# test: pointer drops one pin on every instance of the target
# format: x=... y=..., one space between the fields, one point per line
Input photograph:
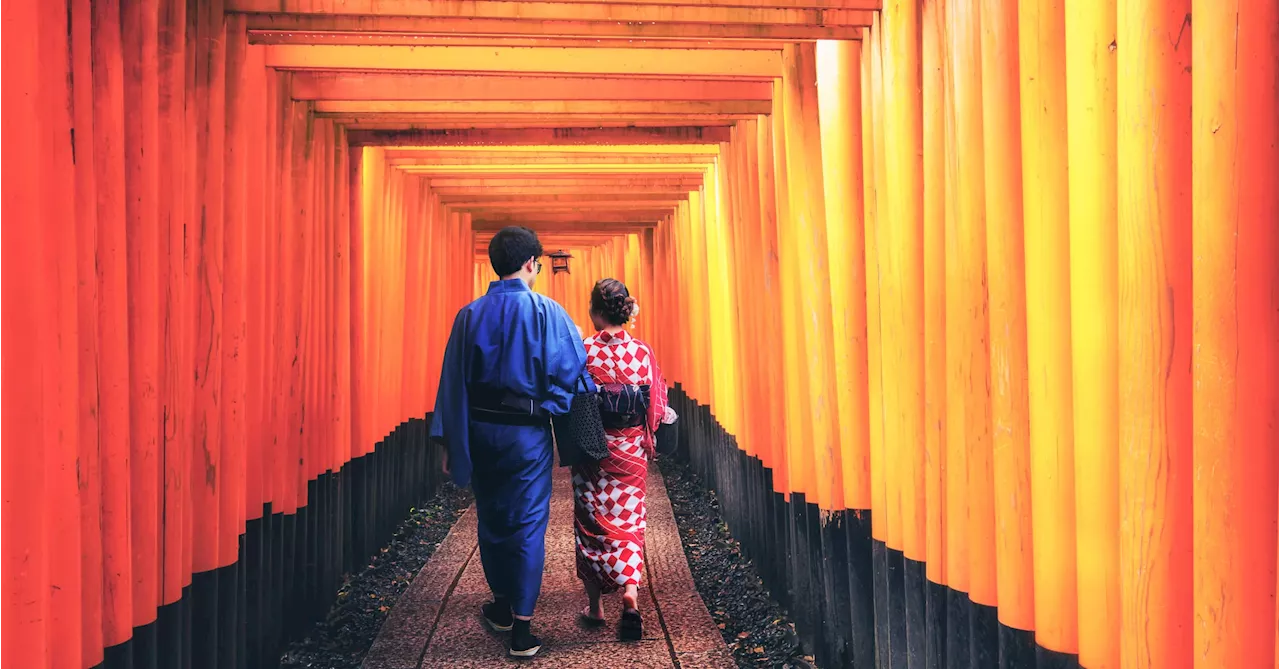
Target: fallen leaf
x=743 y=635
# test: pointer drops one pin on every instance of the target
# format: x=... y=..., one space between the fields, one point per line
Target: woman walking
x=609 y=496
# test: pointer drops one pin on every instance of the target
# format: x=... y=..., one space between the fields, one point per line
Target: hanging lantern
x=560 y=262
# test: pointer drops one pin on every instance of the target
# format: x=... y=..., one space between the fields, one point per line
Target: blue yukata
x=511 y=343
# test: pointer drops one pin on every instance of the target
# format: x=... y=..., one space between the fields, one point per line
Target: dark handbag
x=667 y=439
x=580 y=434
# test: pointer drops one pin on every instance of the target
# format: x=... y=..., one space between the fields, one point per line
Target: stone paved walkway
x=436 y=622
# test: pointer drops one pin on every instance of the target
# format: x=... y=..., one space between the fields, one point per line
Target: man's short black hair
x=512 y=247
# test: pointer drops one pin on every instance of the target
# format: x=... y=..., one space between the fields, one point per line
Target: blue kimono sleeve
x=449 y=422
x=565 y=359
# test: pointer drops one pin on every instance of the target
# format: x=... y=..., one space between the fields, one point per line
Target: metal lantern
x=560 y=262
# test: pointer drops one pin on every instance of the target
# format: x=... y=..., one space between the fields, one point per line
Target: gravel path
x=342 y=639
x=756 y=628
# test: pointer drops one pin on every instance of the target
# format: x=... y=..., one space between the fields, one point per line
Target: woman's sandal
x=589 y=620
x=631 y=626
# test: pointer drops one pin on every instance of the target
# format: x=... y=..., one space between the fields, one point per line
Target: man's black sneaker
x=523 y=642
x=498 y=616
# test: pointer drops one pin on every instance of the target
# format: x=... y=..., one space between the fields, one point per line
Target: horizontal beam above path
x=584 y=199
x=485 y=209
x=534 y=170
x=579 y=220
x=786 y=12
x=400 y=87
x=552 y=240
x=556 y=181
x=561 y=185
x=585 y=60
x=516 y=136
x=723 y=33
x=483 y=122
x=462 y=194
x=557 y=160
x=542 y=108
x=263 y=37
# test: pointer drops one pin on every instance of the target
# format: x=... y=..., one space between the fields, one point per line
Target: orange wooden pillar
x=42 y=580
x=1042 y=61
x=934 y=177
x=257 y=335
x=113 y=377
x=808 y=226
x=1008 y=312
x=233 y=267
x=60 y=382
x=359 y=301
x=873 y=168
x=774 y=379
x=1091 y=166
x=86 y=229
x=971 y=535
x=798 y=428
x=1153 y=144
x=1234 y=218
x=901 y=252
x=141 y=143
x=839 y=69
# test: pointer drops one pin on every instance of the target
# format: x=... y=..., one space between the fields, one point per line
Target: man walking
x=512 y=361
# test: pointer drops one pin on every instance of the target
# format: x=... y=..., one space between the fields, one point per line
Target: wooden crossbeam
x=482 y=123
x=482 y=198
x=784 y=12
x=528 y=191
x=556 y=208
x=563 y=184
x=497 y=220
x=528 y=150
x=723 y=33
x=400 y=87
x=592 y=223
x=541 y=108
x=534 y=170
x=553 y=160
x=583 y=60
x=264 y=37
x=504 y=136
x=555 y=240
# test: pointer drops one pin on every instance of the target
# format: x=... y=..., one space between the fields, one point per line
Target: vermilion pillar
x=1008 y=312
x=1234 y=234
x=1153 y=141
x=1042 y=63
x=1090 y=29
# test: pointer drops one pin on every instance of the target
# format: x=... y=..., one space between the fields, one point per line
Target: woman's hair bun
x=612 y=301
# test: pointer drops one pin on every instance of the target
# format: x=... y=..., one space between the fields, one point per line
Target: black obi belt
x=623 y=406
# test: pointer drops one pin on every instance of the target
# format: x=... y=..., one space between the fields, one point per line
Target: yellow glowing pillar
x=1235 y=331
x=797 y=449
x=1042 y=59
x=1091 y=167
x=935 y=152
x=840 y=101
x=873 y=166
x=1008 y=313
x=1153 y=142
x=970 y=507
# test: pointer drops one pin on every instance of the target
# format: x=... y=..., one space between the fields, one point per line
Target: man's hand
x=445 y=464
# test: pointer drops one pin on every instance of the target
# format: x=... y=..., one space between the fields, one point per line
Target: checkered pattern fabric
x=609 y=508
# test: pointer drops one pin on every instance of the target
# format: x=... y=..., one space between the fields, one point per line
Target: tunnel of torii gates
x=972 y=305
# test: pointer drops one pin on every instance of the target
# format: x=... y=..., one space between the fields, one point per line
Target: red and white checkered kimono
x=609 y=508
